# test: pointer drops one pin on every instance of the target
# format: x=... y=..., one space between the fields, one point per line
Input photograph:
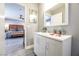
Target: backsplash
x=62 y=28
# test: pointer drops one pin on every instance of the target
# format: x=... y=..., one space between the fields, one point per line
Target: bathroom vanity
x=46 y=44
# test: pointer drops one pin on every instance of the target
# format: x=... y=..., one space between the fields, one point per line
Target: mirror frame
x=66 y=14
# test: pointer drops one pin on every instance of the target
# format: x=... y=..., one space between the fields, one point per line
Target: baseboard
x=29 y=47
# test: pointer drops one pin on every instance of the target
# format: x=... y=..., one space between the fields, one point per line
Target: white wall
x=2 y=29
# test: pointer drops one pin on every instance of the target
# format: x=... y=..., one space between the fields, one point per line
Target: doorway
x=14 y=27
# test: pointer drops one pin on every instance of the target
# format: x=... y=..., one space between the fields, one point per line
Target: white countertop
x=59 y=38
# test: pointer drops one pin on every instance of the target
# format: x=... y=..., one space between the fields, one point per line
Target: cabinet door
x=39 y=45
x=36 y=44
x=53 y=48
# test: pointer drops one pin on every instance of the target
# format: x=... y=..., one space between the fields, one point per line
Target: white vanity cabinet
x=47 y=45
x=39 y=45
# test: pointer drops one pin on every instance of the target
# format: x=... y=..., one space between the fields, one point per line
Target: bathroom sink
x=55 y=34
x=51 y=33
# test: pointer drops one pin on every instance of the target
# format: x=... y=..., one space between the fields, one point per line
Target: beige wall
x=2 y=29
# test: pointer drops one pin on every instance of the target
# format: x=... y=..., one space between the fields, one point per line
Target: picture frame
x=32 y=16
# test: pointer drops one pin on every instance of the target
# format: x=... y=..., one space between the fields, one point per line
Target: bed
x=15 y=31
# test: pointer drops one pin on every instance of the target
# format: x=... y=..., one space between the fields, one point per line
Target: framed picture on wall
x=32 y=16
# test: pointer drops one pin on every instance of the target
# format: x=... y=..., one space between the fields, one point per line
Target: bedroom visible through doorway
x=14 y=28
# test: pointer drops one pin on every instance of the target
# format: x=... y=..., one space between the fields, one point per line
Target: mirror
x=56 y=15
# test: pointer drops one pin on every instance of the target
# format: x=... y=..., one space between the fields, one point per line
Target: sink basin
x=51 y=33
x=55 y=34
